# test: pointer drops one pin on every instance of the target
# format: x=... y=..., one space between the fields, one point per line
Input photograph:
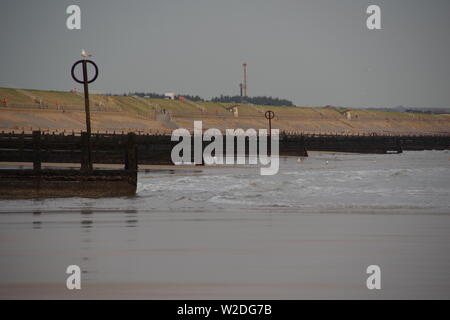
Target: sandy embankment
x=64 y=111
x=72 y=120
x=53 y=120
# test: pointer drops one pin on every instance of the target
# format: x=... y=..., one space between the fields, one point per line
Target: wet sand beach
x=308 y=232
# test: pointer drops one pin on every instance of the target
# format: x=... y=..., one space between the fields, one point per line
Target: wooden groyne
x=72 y=148
x=156 y=149
x=107 y=148
x=53 y=183
x=49 y=183
x=376 y=143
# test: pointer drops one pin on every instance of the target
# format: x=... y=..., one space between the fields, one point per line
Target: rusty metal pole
x=269 y=116
x=270 y=128
x=85 y=83
x=86 y=99
x=88 y=115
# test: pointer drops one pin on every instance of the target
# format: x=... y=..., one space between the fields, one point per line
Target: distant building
x=170 y=95
x=234 y=110
x=348 y=115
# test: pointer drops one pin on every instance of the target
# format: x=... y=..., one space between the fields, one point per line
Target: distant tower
x=240 y=87
x=245 y=79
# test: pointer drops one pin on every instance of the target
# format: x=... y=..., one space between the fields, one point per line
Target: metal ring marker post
x=269 y=116
x=85 y=82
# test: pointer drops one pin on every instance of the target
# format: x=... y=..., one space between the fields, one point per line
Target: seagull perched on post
x=85 y=54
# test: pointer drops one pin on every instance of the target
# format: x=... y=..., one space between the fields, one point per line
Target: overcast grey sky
x=313 y=52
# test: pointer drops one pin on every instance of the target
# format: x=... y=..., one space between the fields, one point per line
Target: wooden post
x=37 y=151
x=303 y=151
x=86 y=163
x=131 y=152
x=21 y=145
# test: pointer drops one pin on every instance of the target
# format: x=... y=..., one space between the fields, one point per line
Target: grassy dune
x=26 y=109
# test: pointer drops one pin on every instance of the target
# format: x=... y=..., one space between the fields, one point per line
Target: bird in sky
x=85 y=54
